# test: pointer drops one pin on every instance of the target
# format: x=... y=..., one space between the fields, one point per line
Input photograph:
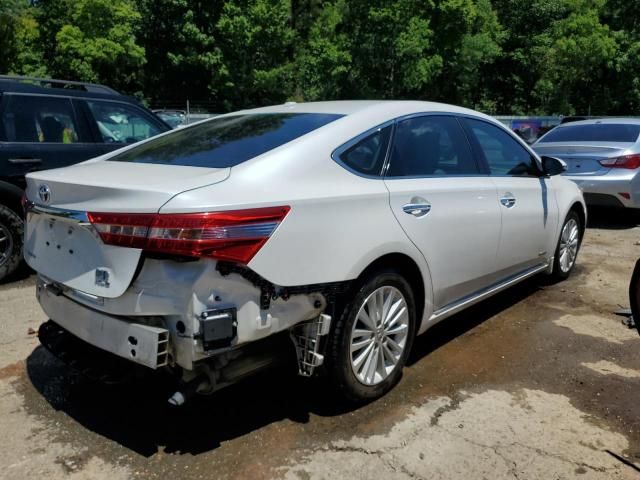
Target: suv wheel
x=568 y=246
x=10 y=241
x=371 y=340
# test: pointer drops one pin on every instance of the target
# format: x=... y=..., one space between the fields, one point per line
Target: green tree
x=578 y=53
x=323 y=62
x=257 y=44
x=469 y=39
x=392 y=48
x=183 y=58
x=10 y=12
x=18 y=39
x=515 y=74
x=99 y=44
x=622 y=17
x=500 y=56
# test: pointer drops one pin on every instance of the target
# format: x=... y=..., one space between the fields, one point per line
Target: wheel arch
x=582 y=215
x=410 y=270
x=10 y=196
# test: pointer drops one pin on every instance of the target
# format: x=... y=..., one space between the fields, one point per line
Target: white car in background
x=347 y=227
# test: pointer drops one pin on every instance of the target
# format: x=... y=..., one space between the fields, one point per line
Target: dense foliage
x=499 y=56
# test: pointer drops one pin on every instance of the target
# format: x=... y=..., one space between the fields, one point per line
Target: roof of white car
x=348 y=107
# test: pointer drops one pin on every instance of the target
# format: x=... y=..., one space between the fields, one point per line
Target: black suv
x=47 y=123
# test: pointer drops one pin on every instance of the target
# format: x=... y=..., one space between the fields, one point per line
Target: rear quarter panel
x=338 y=225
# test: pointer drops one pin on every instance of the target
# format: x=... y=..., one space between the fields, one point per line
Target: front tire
x=11 y=228
x=568 y=246
x=371 y=340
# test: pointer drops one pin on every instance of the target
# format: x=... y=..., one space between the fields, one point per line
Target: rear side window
x=432 y=145
x=227 y=141
x=598 y=132
x=39 y=119
x=367 y=156
x=121 y=123
x=502 y=153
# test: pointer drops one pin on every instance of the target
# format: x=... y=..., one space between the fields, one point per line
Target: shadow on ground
x=22 y=273
x=136 y=415
x=459 y=324
x=612 y=218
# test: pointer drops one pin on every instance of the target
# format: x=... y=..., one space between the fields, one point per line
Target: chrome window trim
x=335 y=155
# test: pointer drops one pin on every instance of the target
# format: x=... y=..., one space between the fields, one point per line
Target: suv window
x=121 y=123
x=226 y=141
x=503 y=154
x=367 y=156
x=431 y=145
x=39 y=119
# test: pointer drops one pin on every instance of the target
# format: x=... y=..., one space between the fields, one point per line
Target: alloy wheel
x=379 y=335
x=569 y=239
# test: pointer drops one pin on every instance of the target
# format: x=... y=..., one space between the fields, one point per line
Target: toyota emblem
x=44 y=192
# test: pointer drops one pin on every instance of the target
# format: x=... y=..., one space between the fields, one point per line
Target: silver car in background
x=603 y=158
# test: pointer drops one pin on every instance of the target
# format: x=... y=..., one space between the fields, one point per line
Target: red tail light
x=122 y=229
x=627 y=161
x=235 y=235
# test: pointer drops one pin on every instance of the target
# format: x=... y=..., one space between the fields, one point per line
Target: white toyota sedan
x=338 y=230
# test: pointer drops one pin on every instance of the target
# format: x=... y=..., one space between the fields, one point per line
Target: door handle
x=508 y=200
x=417 y=209
x=25 y=160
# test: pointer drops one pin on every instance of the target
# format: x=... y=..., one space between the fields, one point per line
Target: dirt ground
x=540 y=382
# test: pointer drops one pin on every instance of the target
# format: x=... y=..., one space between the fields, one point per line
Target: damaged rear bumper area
x=228 y=324
x=139 y=343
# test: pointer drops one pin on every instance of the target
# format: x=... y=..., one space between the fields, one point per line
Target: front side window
x=432 y=145
x=502 y=153
x=226 y=141
x=39 y=119
x=121 y=123
x=367 y=156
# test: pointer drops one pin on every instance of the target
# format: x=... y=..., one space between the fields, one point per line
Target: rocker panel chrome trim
x=474 y=298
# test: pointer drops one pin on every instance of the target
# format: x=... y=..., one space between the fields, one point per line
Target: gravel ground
x=541 y=381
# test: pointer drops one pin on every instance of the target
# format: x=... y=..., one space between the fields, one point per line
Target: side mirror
x=553 y=166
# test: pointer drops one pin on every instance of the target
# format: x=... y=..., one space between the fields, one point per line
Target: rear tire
x=568 y=246
x=11 y=229
x=371 y=339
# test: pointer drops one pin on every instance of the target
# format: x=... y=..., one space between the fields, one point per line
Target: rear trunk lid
x=584 y=158
x=119 y=187
x=61 y=244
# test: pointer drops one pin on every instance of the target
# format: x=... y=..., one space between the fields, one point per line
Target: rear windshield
x=227 y=141
x=599 y=132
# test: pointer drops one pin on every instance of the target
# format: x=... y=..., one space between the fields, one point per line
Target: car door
x=527 y=200
x=116 y=124
x=445 y=205
x=19 y=145
x=42 y=132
